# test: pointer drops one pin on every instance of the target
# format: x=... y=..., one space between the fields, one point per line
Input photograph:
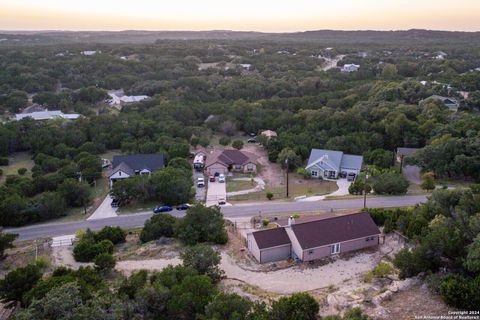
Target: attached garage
x=269 y=245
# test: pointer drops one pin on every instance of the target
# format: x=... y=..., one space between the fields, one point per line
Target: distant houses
x=47 y=115
x=269 y=134
x=88 y=53
x=451 y=103
x=125 y=166
x=245 y=66
x=350 y=67
x=117 y=98
x=314 y=239
x=329 y=164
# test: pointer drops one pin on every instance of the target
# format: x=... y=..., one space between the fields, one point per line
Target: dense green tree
x=204 y=259
x=6 y=242
x=297 y=306
x=228 y=307
x=202 y=224
x=18 y=282
x=159 y=225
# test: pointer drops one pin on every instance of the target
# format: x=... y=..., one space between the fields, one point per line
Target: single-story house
x=34 y=108
x=117 y=97
x=269 y=134
x=405 y=152
x=47 y=115
x=350 y=67
x=245 y=66
x=448 y=102
x=330 y=163
x=125 y=166
x=314 y=239
x=230 y=160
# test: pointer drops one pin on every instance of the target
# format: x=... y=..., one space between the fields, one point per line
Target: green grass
x=238 y=185
x=137 y=207
x=312 y=187
x=16 y=161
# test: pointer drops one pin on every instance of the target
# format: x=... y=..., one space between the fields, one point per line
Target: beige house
x=314 y=239
x=269 y=134
x=232 y=160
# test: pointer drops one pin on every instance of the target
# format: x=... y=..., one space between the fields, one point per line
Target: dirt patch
x=417 y=301
x=24 y=253
x=63 y=256
x=270 y=172
x=133 y=249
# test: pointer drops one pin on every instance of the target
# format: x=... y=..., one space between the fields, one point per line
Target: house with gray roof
x=47 y=115
x=314 y=238
x=328 y=164
x=125 y=166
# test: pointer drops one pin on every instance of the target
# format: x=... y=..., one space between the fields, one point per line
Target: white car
x=221 y=201
x=221 y=178
x=200 y=182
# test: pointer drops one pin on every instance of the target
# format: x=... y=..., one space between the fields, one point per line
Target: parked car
x=343 y=174
x=252 y=140
x=200 y=182
x=221 y=178
x=211 y=179
x=351 y=176
x=221 y=201
x=163 y=208
x=216 y=174
x=115 y=203
x=184 y=206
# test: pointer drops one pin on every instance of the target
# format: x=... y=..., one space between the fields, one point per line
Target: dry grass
x=298 y=186
x=16 y=161
x=133 y=249
x=24 y=253
x=238 y=185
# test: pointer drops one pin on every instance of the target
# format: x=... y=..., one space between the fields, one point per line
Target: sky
x=245 y=15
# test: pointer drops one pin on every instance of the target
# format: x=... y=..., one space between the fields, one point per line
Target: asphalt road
x=137 y=220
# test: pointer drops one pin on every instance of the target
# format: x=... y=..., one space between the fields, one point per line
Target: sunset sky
x=258 y=15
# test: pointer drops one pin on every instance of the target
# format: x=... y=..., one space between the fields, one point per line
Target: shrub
x=224 y=141
x=304 y=173
x=130 y=286
x=86 y=249
x=297 y=306
x=265 y=222
x=4 y=161
x=382 y=270
x=461 y=292
x=159 y=225
x=428 y=181
x=390 y=183
x=19 y=281
x=104 y=262
x=202 y=224
x=22 y=171
x=114 y=234
x=269 y=195
x=237 y=144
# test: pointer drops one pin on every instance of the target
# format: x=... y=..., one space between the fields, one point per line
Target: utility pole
x=286 y=164
x=365 y=191
x=401 y=163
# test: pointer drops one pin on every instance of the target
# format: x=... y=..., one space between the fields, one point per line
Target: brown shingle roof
x=271 y=238
x=230 y=157
x=334 y=230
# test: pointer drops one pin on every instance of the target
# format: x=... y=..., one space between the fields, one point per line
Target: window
x=334 y=249
x=250 y=167
x=238 y=167
x=310 y=251
x=314 y=174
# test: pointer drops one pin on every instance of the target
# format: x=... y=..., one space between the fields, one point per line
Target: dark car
x=351 y=176
x=216 y=174
x=115 y=203
x=184 y=206
x=252 y=140
x=343 y=174
x=162 y=209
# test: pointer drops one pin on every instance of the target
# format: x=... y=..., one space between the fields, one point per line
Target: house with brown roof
x=314 y=239
x=230 y=160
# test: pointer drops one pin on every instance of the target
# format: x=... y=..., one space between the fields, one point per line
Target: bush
x=86 y=249
x=304 y=173
x=202 y=224
x=224 y=141
x=269 y=195
x=22 y=171
x=18 y=282
x=159 y=225
x=297 y=306
x=237 y=144
x=4 y=161
x=390 y=183
x=204 y=259
x=460 y=292
x=115 y=234
x=428 y=181
x=265 y=222
x=104 y=262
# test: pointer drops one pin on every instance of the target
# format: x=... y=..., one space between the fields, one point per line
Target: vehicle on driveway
x=216 y=174
x=221 y=178
x=252 y=140
x=351 y=176
x=164 y=208
x=211 y=179
x=343 y=174
x=183 y=206
x=222 y=201
x=115 y=203
x=200 y=182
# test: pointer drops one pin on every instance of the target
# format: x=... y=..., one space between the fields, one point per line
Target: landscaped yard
x=298 y=186
x=16 y=161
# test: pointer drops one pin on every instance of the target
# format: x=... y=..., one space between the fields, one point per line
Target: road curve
x=138 y=219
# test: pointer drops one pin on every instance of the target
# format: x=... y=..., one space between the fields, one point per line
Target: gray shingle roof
x=336 y=159
x=131 y=163
x=271 y=238
x=332 y=230
x=406 y=151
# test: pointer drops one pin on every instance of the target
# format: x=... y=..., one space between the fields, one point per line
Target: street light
x=286 y=165
x=365 y=192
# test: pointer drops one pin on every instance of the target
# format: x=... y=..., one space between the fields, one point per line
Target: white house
x=126 y=166
x=350 y=67
x=117 y=97
x=89 y=53
x=329 y=164
x=47 y=115
x=246 y=66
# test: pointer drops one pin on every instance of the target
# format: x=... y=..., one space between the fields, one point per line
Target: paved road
x=137 y=220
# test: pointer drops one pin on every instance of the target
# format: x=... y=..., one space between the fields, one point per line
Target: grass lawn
x=238 y=185
x=312 y=187
x=16 y=161
x=137 y=207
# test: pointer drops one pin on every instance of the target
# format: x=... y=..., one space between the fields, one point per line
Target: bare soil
x=270 y=172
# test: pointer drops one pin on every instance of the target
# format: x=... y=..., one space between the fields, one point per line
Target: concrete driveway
x=215 y=191
x=105 y=210
x=412 y=173
x=343 y=186
x=199 y=192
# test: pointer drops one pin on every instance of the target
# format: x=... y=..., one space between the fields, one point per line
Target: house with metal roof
x=125 y=166
x=47 y=115
x=315 y=238
x=328 y=164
